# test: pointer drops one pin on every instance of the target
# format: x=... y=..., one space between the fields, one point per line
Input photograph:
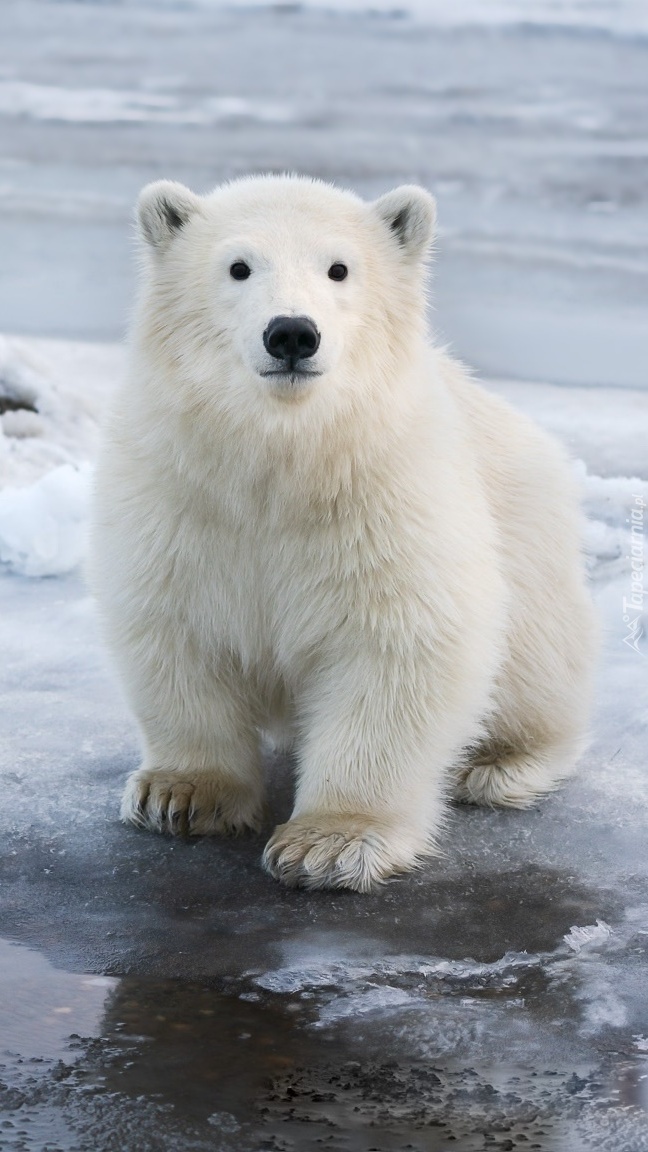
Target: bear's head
x=283 y=286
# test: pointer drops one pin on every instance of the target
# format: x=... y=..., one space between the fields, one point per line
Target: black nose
x=291 y=339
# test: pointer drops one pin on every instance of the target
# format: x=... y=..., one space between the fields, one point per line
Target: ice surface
x=343 y=989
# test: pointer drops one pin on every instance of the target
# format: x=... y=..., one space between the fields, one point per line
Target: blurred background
x=528 y=119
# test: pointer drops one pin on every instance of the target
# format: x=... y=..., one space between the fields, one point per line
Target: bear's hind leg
x=497 y=775
x=538 y=726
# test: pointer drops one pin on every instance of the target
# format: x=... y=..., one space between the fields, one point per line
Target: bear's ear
x=410 y=214
x=163 y=209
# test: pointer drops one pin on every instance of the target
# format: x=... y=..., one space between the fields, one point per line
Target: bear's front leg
x=370 y=791
x=201 y=772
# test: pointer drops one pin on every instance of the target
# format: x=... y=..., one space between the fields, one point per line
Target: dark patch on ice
x=112 y=899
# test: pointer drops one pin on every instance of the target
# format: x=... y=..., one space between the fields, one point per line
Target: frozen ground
x=170 y=996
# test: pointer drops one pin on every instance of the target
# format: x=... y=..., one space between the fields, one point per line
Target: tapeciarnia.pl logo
x=633 y=604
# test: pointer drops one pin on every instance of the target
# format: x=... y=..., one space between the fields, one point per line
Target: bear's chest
x=281 y=578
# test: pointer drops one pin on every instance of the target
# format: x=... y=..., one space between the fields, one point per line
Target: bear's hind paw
x=514 y=780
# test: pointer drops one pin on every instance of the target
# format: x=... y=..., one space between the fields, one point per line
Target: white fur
x=383 y=558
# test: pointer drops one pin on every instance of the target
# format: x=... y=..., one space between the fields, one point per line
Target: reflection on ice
x=41 y=1007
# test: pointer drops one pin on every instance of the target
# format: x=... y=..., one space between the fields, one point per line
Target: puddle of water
x=140 y=1064
x=41 y=1006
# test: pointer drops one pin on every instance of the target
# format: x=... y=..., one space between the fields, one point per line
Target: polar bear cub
x=308 y=516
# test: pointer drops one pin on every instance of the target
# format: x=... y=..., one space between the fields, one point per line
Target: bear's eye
x=338 y=272
x=239 y=270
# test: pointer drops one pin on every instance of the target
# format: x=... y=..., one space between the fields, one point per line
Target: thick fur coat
x=363 y=549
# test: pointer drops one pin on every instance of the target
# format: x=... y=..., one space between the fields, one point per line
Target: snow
x=627 y=17
x=43 y=526
x=68 y=383
x=106 y=106
x=46 y=455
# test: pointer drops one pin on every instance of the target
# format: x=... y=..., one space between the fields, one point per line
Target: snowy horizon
x=618 y=17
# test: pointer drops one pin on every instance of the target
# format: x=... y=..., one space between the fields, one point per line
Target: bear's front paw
x=336 y=851
x=189 y=803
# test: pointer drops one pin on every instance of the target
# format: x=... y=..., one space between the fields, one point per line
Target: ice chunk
x=43 y=526
x=587 y=936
